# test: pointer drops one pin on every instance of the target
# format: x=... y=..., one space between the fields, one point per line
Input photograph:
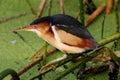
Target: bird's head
x=39 y=26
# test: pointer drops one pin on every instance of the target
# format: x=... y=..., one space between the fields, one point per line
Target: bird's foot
x=52 y=62
x=48 y=65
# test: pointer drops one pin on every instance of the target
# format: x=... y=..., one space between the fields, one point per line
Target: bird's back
x=73 y=26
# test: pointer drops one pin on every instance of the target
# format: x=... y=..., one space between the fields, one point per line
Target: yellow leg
x=52 y=62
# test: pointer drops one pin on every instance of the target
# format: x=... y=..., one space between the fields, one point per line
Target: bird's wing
x=77 y=31
x=70 y=39
x=71 y=26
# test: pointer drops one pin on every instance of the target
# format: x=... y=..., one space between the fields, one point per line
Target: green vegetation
x=15 y=53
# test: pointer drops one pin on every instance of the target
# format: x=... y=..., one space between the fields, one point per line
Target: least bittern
x=63 y=32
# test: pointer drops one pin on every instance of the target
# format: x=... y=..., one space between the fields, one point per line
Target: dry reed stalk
x=40 y=10
x=109 y=6
x=94 y=14
x=62 y=7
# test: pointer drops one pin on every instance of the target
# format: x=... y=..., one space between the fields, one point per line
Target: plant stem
x=81 y=11
x=103 y=25
x=15 y=17
x=50 y=7
x=6 y=72
x=31 y=8
x=40 y=10
x=109 y=39
x=62 y=7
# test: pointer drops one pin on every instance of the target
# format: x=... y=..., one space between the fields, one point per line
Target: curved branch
x=6 y=72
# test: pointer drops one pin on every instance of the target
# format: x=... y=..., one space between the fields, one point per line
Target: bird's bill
x=26 y=28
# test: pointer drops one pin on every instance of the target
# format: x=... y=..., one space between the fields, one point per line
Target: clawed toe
x=48 y=65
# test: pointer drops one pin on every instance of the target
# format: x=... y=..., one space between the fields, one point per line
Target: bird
x=63 y=32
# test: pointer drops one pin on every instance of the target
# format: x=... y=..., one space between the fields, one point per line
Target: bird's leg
x=53 y=61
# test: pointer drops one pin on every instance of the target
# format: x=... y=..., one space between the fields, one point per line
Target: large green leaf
x=15 y=53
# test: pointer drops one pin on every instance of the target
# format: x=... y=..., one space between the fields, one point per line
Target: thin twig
x=50 y=7
x=82 y=18
x=102 y=29
x=37 y=53
x=62 y=7
x=27 y=67
x=15 y=17
x=40 y=10
x=45 y=53
x=31 y=8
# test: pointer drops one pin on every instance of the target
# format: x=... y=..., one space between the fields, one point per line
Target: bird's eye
x=33 y=26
